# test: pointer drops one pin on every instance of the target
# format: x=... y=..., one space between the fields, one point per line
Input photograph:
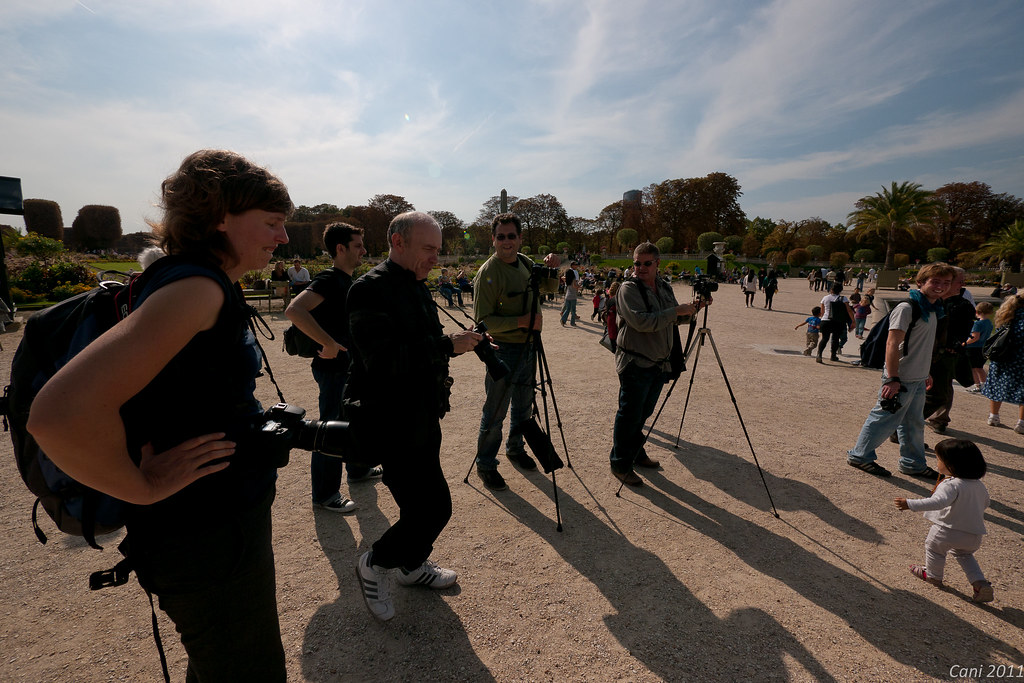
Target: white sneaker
x=993 y=420
x=427 y=574
x=338 y=503
x=1019 y=428
x=375 y=583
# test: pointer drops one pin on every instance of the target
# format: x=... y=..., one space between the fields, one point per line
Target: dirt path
x=689 y=578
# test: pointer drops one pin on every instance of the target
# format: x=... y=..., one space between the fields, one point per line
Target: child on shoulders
x=956 y=510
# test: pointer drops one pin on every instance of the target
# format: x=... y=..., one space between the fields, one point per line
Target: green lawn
x=122 y=266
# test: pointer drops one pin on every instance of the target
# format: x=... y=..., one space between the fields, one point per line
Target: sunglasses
x=643 y=264
x=501 y=238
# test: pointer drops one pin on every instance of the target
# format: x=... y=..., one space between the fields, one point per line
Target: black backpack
x=53 y=337
x=872 y=350
x=839 y=314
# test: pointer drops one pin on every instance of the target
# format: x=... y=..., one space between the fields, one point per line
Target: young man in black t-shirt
x=320 y=312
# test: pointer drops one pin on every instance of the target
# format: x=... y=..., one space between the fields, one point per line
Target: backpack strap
x=647 y=305
x=915 y=315
x=118 y=576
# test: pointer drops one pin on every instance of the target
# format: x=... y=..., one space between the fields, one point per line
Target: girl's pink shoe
x=921 y=573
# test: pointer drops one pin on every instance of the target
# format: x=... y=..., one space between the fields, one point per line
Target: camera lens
x=326 y=436
x=495 y=366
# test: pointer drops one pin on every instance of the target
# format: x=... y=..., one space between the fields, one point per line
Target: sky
x=809 y=104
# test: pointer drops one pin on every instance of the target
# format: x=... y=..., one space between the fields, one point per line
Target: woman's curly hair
x=209 y=185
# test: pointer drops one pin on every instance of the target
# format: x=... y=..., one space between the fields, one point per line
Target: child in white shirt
x=956 y=510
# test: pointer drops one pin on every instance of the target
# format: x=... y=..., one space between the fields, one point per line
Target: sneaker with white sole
x=427 y=574
x=1019 y=427
x=375 y=583
x=337 y=503
x=983 y=591
x=993 y=420
x=372 y=473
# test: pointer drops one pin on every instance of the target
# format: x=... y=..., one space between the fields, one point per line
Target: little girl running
x=956 y=510
x=861 y=311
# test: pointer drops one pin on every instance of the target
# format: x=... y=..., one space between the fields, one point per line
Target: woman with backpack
x=159 y=412
x=1005 y=381
x=836 y=321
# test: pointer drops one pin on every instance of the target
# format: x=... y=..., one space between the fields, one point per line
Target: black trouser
x=833 y=330
x=215 y=580
x=939 y=399
x=412 y=471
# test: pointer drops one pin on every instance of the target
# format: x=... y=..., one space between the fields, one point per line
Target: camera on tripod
x=540 y=272
x=703 y=286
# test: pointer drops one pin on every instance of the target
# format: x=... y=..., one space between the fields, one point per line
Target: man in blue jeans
x=502 y=301
x=320 y=312
x=647 y=311
x=908 y=357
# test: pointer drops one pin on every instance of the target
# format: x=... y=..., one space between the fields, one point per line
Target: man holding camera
x=647 y=313
x=502 y=300
x=320 y=312
x=905 y=379
x=397 y=392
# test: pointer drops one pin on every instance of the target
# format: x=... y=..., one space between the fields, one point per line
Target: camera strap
x=258 y=329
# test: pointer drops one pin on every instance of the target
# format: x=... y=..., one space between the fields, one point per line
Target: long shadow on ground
x=343 y=641
x=653 y=608
x=838 y=585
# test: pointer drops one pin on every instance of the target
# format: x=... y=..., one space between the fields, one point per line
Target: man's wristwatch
x=893 y=379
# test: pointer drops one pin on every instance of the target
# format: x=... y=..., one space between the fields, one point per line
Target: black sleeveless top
x=207 y=387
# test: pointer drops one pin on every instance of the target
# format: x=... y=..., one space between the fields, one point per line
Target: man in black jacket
x=399 y=378
x=953 y=331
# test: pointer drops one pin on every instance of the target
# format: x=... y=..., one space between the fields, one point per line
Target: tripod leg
x=542 y=362
x=558 y=512
x=695 y=351
x=735 y=405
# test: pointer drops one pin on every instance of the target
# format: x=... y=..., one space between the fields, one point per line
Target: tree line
x=965 y=222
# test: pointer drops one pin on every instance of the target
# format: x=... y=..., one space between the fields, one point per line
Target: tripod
x=693 y=350
x=538 y=439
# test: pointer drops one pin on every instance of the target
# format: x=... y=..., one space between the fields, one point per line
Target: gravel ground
x=691 y=577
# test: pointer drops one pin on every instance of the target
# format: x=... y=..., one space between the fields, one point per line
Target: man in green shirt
x=502 y=301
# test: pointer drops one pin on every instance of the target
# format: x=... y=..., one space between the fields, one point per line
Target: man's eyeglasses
x=501 y=238
x=644 y=264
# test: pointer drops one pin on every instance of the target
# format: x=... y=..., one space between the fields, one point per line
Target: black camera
x=543 y=272
x=893 y=404
x=496 y=367
x=703 y=286
x=283 y=428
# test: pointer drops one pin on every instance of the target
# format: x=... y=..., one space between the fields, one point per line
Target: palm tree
x=904 y=207
x=1007 y=244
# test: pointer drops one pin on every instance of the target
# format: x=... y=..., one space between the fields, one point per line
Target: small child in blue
x=956 y=510
x=813 y=327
